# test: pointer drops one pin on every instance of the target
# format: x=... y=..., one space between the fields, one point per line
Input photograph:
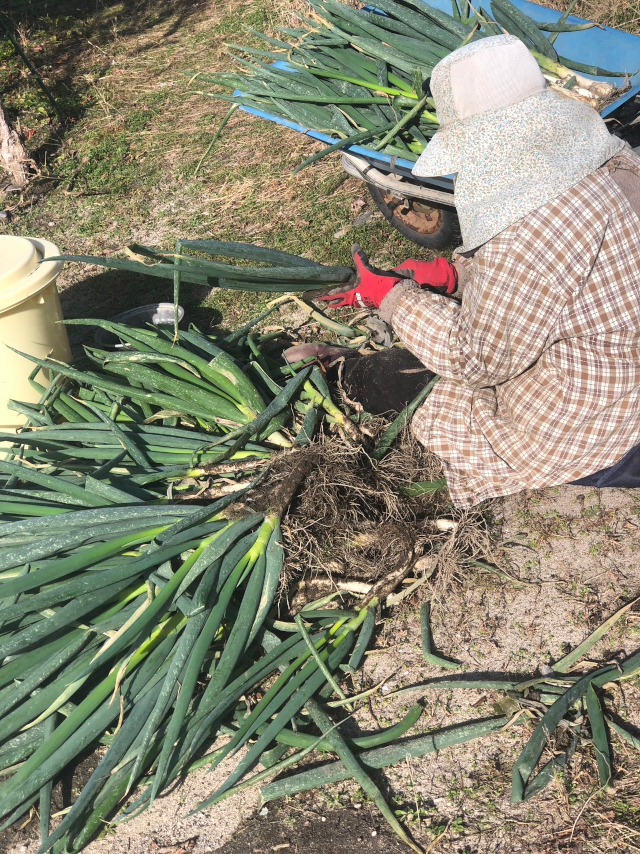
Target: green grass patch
x=257 y=16
x=123 y=167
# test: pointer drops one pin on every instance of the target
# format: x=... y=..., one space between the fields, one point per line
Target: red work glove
x=438 y=275
x=372 y=285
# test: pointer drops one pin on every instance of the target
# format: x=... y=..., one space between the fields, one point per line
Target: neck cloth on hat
x=513 y=144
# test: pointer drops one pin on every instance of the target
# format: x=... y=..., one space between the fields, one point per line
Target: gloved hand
x=372 y=285
x=438 y=275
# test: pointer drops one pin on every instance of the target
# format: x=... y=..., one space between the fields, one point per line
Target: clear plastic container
x=155 y=314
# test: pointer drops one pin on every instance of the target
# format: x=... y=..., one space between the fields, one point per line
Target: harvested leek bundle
x=362 y=76
x=118 y=605
x=139 y=624
x=274 y=271
x=134 y=621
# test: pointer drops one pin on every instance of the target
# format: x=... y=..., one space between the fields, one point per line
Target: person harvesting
x=535 y=328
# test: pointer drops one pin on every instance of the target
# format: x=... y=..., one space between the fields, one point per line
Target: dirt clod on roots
x=349 y=524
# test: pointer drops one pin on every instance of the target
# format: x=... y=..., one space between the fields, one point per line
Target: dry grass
x=127 y=169
x=612 y=13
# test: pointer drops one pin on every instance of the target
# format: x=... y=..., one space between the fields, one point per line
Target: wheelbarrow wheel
x=431 y=227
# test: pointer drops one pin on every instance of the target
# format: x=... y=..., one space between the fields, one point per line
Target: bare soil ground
x=576 y=550
x=125 y=169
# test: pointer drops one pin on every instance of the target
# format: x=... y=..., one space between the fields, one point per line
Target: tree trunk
x=14 y=157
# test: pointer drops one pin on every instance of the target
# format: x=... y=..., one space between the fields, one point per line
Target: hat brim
x=439 y=158
x=513 y=161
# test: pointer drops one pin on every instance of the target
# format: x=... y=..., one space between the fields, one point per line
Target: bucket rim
x=42 y=276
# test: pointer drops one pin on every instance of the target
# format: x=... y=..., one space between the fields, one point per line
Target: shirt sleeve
x=501 y=326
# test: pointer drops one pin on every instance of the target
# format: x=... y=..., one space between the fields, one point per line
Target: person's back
x=540 y=359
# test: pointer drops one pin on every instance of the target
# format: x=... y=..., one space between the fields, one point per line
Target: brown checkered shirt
x=540 y=361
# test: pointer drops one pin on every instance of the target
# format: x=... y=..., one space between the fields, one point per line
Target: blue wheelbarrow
x=422 y=209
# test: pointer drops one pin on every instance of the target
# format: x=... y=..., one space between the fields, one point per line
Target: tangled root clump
x=349 y=521
x=349 y=526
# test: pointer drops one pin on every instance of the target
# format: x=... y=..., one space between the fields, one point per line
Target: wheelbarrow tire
x=428 y=226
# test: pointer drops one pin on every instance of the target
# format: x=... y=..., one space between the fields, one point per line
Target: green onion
x=357 y=75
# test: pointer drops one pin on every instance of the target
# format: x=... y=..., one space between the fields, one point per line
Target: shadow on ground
x=107 y=294
x=65 y=47
x=338 y=831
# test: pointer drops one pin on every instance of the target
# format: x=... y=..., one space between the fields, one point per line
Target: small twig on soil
x=438 y=838
x=583 y=808
x=363 y=695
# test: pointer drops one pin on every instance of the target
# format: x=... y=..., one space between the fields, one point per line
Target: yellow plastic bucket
x=29 y=311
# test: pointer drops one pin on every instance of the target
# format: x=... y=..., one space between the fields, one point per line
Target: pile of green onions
x=361 y=76
x=139 y=624
x=134 y=621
